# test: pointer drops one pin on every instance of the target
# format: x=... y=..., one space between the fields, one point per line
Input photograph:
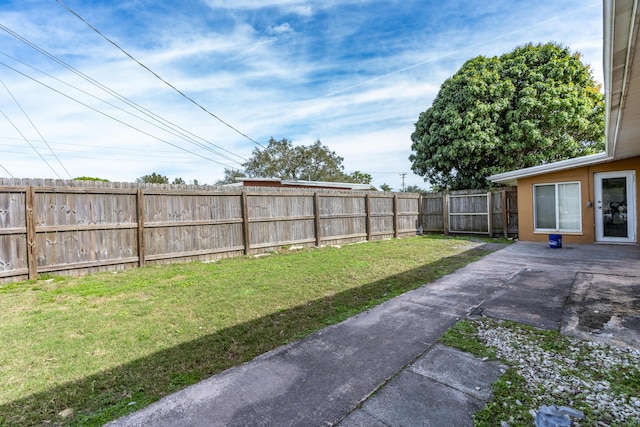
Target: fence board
x=13 y=253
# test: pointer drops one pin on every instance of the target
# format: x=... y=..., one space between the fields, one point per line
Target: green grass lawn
x=83 y=351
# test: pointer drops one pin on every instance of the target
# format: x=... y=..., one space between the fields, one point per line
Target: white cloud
x=281 y=29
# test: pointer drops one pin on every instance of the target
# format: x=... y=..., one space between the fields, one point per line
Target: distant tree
x=179 y=181
x=282 y=160
x=414 y=189
x=195 y=182
x=230 y=176
x=360 y=178
x=90 y=178
x=154 y=178
x=385 y=187
x=536 y=104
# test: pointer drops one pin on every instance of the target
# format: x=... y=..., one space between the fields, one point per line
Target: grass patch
x=83 y=351
x=464 y=336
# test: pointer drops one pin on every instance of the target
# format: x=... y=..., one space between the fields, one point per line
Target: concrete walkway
x=385 y=368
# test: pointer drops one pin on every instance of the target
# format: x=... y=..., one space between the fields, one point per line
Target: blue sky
x=354 y=74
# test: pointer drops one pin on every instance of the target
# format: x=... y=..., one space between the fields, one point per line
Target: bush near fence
x=79 y=227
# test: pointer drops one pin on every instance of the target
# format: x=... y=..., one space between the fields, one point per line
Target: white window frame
x=557 y=211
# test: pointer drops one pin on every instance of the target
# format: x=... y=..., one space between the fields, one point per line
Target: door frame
x=631 y=206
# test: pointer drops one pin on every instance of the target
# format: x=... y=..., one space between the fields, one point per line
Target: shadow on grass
x=107 y=395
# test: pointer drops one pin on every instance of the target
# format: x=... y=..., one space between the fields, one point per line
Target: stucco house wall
x=584 y=175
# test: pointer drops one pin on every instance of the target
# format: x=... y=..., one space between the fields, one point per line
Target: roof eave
x=511 y=177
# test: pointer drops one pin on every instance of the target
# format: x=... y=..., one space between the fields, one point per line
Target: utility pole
x=403 y=175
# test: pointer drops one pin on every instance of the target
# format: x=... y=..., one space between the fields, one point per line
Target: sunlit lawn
x=81 y=351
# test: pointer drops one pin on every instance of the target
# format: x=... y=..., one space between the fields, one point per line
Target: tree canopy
x=230 y=176
x=90 y=178
x=280 y=159
x=154 y=178
x=534 y=105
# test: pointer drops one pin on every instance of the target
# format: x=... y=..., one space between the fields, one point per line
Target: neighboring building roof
x=622 y=94
x=276 y=182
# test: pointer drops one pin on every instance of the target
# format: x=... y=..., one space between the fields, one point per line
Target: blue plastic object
x=552 y=416
x=555 y=241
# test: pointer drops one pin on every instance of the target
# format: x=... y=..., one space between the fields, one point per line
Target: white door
x=615 y=207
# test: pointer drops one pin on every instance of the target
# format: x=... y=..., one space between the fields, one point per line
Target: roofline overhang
x=616 y=91
x=511 y=177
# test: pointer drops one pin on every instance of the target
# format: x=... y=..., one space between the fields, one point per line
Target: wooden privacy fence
x=494 y=213
x=75 y=227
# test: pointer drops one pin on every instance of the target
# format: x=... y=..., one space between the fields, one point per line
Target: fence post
x=316 y=216
x=505 y=214
x=367 y=209
x=490 y=217
x=245 y=223
x=140 y=213
x=395 y=216
x=420 y=213
x=445 y=214
x=32 y=265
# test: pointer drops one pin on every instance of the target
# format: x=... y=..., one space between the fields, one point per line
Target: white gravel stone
x=568 y=373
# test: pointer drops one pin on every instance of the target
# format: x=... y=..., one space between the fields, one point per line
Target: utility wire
x=160 y=153
x=111 y=92
x=113 y=118
x=5 y=169
x=156 y=75
x=36 y=129
x=168 y=126
x=125 y=158
x=32 y=146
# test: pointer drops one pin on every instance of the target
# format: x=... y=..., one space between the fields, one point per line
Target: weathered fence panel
x=433 y=212
x=79 y=228
x=277 y=219
x=13 y=234
x=510 y=212
x=408 y=214
x=74 y=227
x=381 y=216
x=189 y=224
x=471 y=212
x=342 y=217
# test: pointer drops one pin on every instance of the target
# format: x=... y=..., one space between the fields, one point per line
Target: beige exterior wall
x=584 y=175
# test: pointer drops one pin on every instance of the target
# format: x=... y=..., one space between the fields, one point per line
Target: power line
x=156 y=75
x=28 y=142
x=36 y=129
x=5 y=169
x=166 y=125
x=107 y=153
x=113 y=118
x=145 y=151
x=164 y=122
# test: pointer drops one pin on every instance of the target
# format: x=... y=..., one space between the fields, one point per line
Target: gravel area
x=593 y=377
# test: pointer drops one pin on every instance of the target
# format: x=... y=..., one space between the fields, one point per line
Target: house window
x=557 y=207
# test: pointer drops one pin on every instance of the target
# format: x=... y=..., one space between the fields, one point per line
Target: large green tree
x=535 y=105
x=280 y=159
